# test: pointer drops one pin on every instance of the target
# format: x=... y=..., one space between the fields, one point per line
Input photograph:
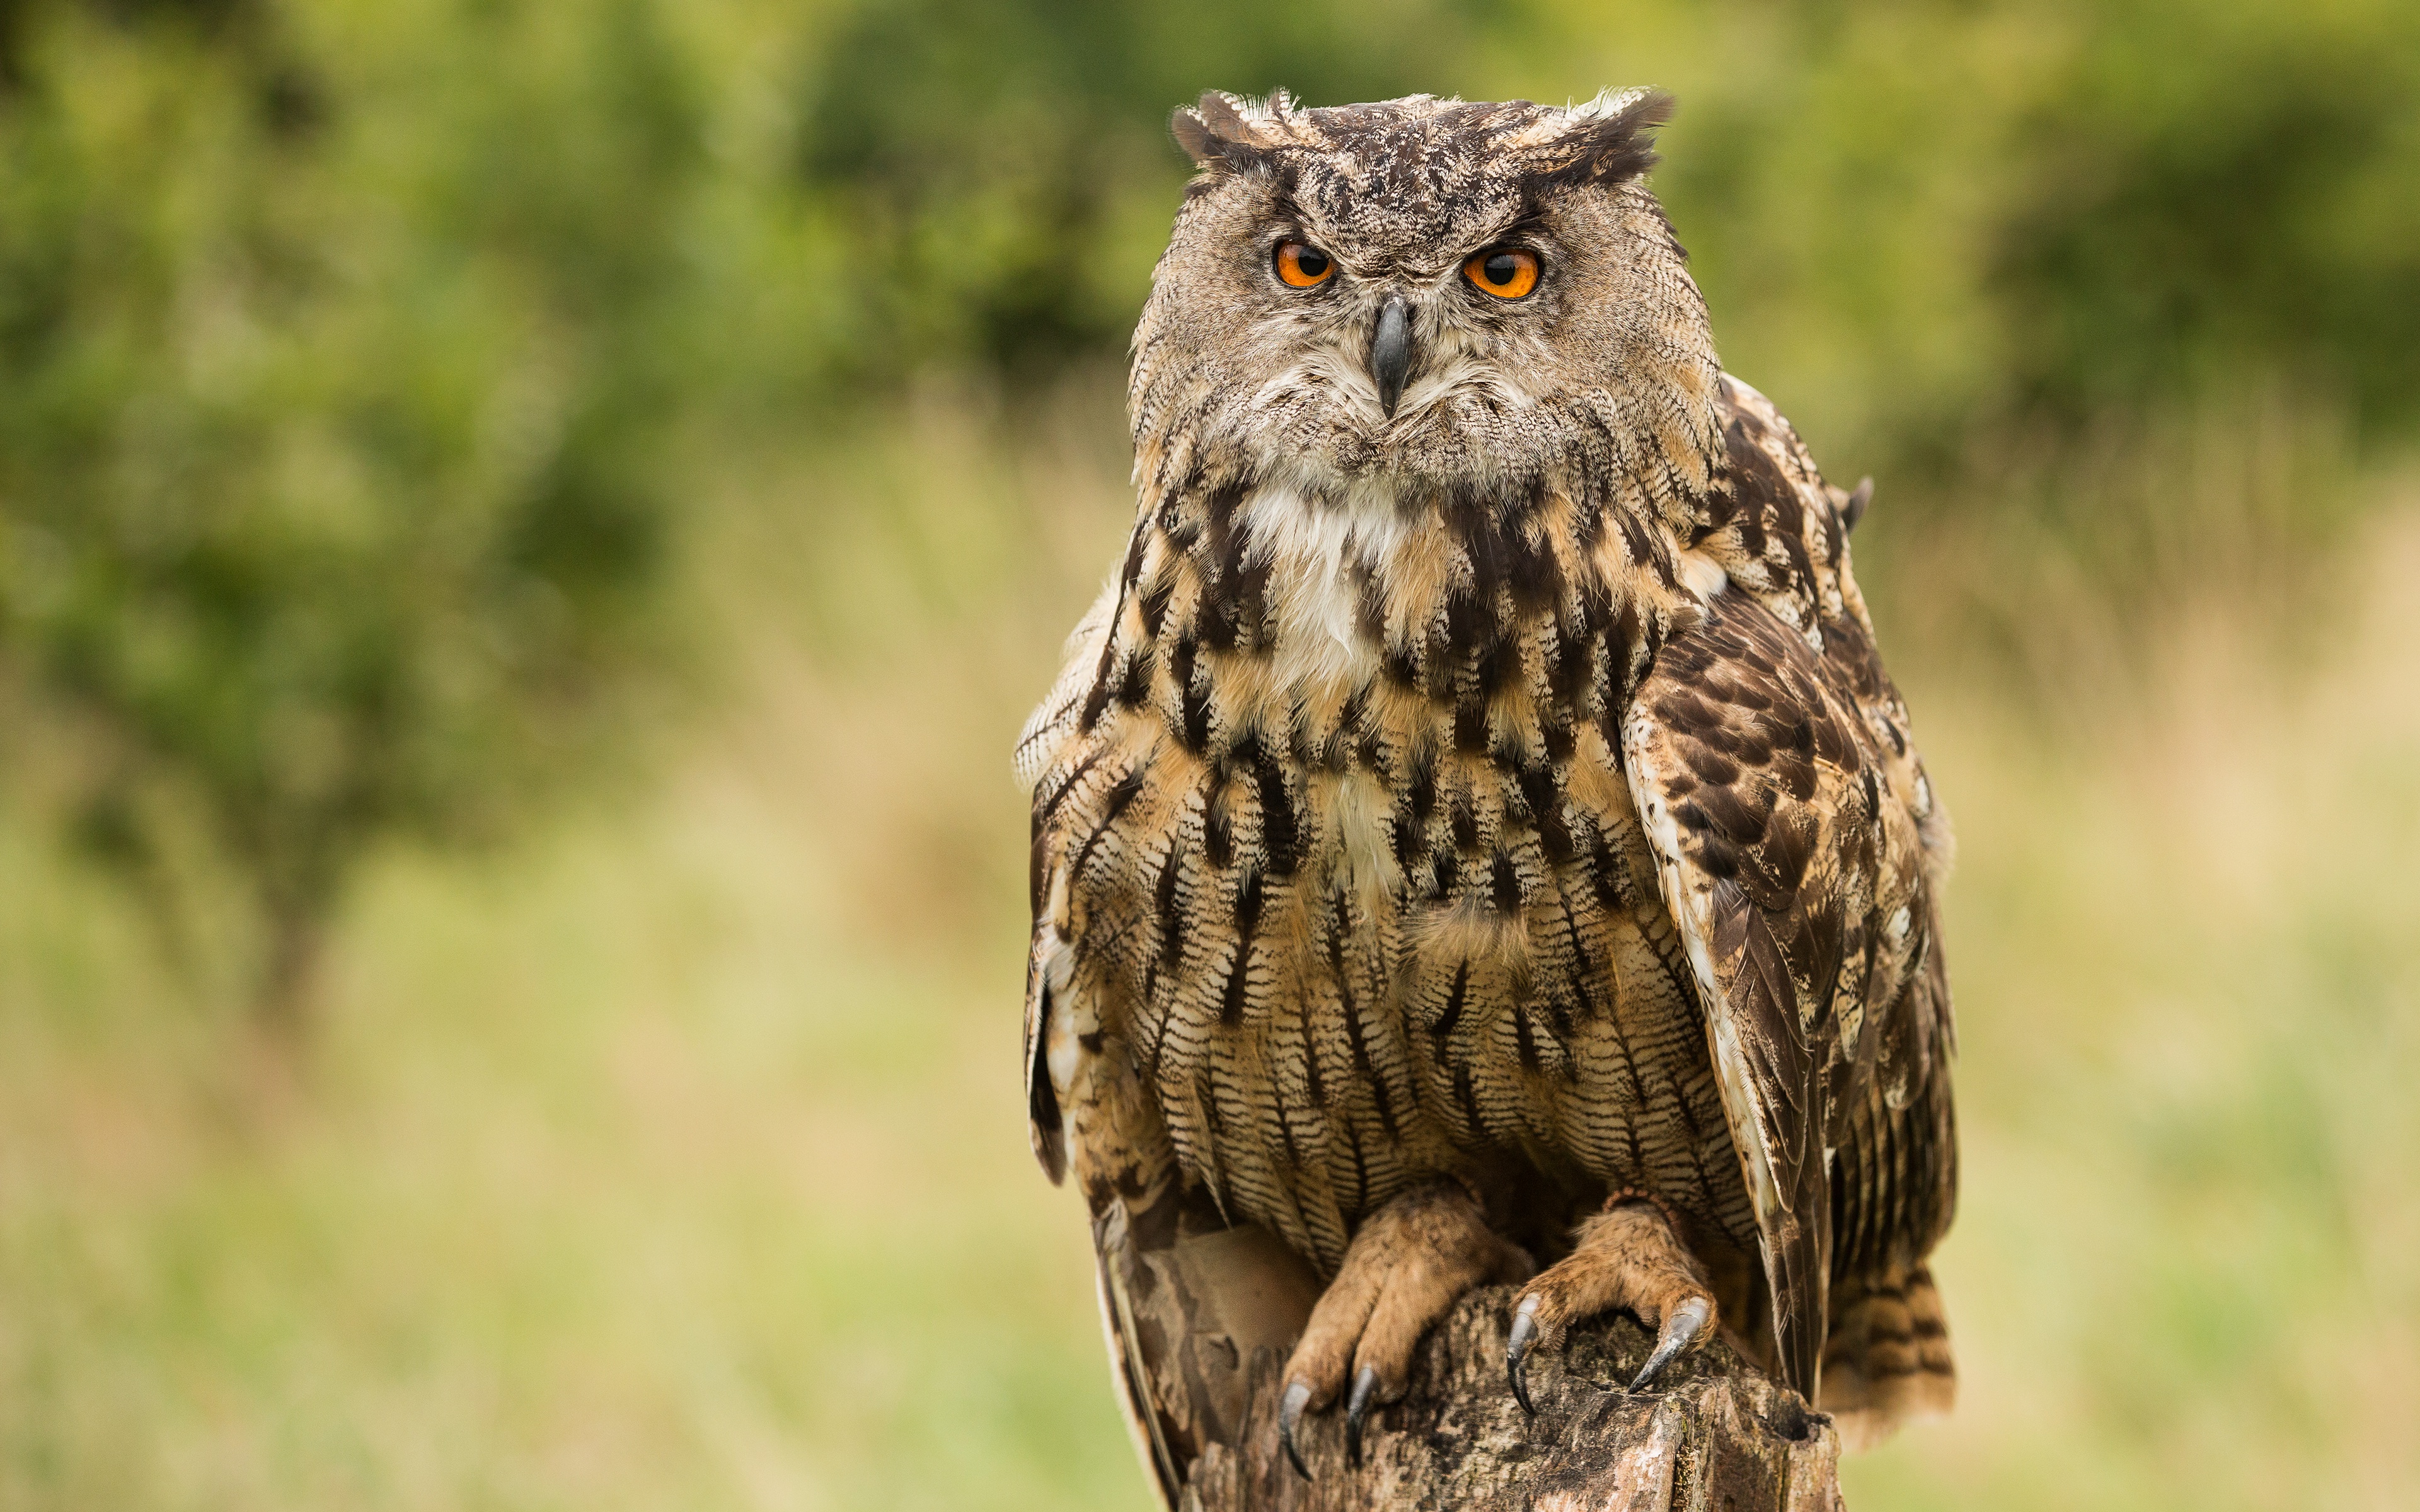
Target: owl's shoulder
x=1777 y=530
x=1788 y=623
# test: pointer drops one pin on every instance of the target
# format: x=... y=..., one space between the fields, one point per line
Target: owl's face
x=1424 y=293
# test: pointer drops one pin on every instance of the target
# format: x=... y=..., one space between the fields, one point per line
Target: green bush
x=339 y=351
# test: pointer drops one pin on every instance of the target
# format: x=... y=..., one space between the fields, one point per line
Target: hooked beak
x=1391 y=352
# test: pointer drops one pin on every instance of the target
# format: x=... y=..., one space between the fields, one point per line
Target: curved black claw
x=1524 y=1328
x=1297 y=1396
x=1365 y=1386
x=1680 y=1325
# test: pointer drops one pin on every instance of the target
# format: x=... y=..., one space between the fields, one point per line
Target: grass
x=675 y=1159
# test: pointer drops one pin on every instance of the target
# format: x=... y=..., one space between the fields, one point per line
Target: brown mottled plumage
x=1460 y=816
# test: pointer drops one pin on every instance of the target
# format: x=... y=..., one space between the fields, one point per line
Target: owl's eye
x=1507 y=272
x=1300 y=265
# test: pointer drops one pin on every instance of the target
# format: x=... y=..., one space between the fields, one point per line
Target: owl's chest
x=1356 y=764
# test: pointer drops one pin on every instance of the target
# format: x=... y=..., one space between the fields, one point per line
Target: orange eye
x=1300 y=265
x=1507 y=272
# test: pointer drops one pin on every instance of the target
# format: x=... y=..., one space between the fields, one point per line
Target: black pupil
x=1311 y=262
x=1501 y=269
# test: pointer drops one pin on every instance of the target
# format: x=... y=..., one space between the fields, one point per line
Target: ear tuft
x=1214 y=134
x=1606 y=142
x=1852 y=504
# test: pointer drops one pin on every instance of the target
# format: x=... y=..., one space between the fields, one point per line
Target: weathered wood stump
x=1715 y=1435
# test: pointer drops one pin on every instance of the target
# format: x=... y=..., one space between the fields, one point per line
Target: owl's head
x=1422 y=291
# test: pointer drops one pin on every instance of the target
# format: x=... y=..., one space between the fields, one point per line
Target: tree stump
x=1715 y=1435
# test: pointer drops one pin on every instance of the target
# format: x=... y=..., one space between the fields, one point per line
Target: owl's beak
x=1391 y=352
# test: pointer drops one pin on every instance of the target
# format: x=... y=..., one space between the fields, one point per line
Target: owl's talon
x=1365 y=1386
x=1683 y=1323
x=1297 y=1396
x=1516 y=1350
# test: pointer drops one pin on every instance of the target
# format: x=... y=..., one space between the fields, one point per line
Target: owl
x=1474 y=839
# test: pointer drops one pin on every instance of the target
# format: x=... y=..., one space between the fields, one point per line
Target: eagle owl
x=1473 y=830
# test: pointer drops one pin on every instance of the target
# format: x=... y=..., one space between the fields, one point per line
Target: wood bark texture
x=1715 y=1435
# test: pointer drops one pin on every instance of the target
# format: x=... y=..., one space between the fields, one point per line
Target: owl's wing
x=1050 y=1015
x=1796 y=840
x=1189 y=1302
x=1125 y=1283
x=1039 y=747
x=1186 y=1299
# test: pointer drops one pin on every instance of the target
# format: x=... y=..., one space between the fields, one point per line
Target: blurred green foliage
x=2210 y=189
x=339 y=345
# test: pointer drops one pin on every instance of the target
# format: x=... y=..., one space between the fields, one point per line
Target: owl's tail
x=1189 y=1305
x=1887 y=1358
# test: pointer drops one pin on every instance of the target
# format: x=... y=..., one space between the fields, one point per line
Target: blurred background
x=527 y=530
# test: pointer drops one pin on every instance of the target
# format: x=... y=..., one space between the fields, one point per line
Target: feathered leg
x=1627 y=1257
x=1407 y=1267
